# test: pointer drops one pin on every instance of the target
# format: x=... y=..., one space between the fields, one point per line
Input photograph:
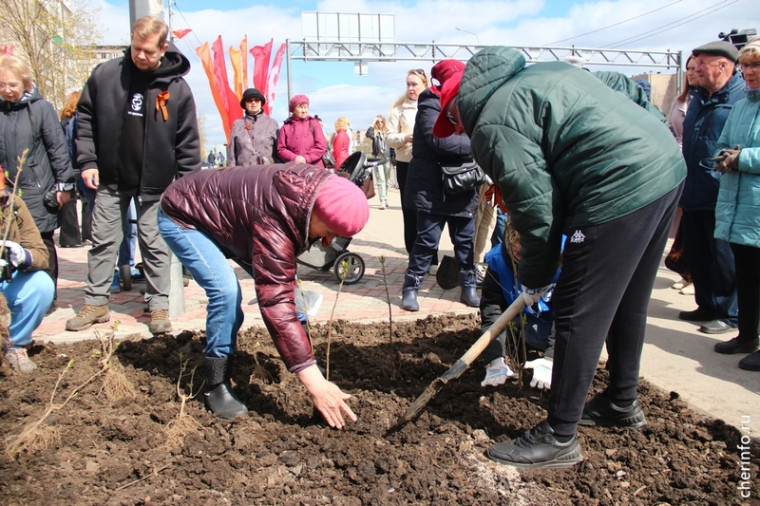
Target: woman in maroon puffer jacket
x=262 y=219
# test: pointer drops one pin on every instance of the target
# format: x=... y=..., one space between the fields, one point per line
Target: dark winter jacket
x=253 y=140
x=302 y=137
x=31 y=123
x=424 y=186
x=171 y=144
x=565 y=150
x=259 y=217
x=702 y=126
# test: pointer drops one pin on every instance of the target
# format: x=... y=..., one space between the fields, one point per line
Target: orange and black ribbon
x=161 y=100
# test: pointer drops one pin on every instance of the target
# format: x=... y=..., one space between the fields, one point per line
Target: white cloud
x=335 y=91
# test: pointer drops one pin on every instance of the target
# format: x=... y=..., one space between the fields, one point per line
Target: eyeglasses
x=253 y=100
x=755 y=65
x=10 y=86
x=449 y=112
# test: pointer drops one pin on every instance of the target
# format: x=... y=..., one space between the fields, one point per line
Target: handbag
x=461 y=178
x=328 y=159
x=368 y=186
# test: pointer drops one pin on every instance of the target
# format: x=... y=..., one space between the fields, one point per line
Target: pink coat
x=302 y=137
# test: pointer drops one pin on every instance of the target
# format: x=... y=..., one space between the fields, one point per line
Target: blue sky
x=334 y=89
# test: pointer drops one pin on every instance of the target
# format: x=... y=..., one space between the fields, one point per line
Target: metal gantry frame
x=324 y=50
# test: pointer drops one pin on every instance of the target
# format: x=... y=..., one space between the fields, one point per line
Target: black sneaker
x=537 y=448
x=603 y=412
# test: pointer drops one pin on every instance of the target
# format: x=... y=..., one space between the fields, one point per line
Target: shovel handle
x=485 y=339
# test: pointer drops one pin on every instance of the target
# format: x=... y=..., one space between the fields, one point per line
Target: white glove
x=497 y=373
x=532 y=295
x=19 y=257
x=542 y=373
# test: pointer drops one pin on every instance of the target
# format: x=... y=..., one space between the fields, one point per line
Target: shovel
x=464 y=362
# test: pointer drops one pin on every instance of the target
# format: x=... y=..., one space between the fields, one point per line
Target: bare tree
x=56 y=37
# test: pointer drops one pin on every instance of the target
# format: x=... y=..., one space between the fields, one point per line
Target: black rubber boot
x=409 y=300
x=409 y=292
x=218 y=395
x=468 y=280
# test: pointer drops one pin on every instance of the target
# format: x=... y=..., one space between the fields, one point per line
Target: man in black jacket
x=137 y=133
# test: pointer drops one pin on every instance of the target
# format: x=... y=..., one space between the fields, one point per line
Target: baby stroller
x=348 y=267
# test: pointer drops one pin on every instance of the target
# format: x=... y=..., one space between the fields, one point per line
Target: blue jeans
x=210 y=269
x=29 y=296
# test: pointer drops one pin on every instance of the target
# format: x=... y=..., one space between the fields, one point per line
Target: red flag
x=261 y=56
x=229 y=99
x=205 y=55
x=274 y=75
x=181 y=33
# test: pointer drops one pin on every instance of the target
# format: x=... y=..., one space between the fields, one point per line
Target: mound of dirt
x=124 y=437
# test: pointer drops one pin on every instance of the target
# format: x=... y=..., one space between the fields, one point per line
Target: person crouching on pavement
x=27 y=288
x=262 y=219
x=572 y=156
x=500 y=288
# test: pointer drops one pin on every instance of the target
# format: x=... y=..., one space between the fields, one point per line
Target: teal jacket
x=566 y=150
x=737 y=212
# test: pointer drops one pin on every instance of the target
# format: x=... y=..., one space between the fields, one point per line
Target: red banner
x=230 y=101
x=204 y=54
x=181 y=33
x=274 y=75
x=261 y=56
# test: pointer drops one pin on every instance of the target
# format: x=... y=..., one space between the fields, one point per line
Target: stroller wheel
x=349 y=268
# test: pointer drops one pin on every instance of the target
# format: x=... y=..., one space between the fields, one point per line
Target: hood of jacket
x=486 y=72
x=27 y=98
x=173 y=63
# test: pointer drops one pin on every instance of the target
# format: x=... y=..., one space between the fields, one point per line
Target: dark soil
x=103 y=449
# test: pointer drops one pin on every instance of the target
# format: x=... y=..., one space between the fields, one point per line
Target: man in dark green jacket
x=572 y=156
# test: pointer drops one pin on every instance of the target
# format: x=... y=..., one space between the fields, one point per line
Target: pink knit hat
x=296 y=101
x=342 y=206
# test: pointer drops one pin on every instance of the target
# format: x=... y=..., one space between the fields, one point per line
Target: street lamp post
x=471 y=33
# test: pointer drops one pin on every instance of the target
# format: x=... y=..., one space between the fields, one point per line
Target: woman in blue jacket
x=737 y=211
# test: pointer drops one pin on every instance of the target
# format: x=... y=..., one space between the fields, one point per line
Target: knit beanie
x=342 y=206
x=296 y=101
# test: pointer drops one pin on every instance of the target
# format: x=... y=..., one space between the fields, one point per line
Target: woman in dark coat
x=424 y=193
x=27 y=122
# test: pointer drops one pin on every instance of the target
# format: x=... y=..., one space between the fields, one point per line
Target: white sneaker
x=383 y=205
x=19 y=360
x=688 y=289
x=678 y=285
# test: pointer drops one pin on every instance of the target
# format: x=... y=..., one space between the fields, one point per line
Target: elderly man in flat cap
x=254 y=136
x=709 y=260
